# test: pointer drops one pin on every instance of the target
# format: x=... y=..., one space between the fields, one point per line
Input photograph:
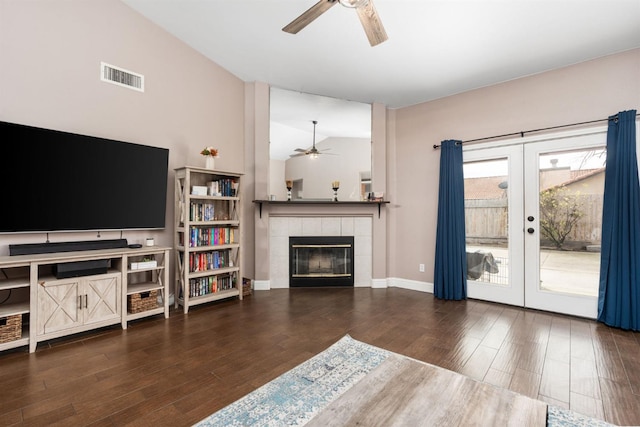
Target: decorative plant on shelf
x=209 y=154
x=210 y=151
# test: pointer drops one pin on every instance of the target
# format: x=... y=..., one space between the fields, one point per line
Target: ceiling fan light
x=353 y=3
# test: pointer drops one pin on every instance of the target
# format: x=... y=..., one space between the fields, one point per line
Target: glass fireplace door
x=321 y=261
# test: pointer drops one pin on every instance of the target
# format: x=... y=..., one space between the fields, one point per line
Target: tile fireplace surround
x=283 y=227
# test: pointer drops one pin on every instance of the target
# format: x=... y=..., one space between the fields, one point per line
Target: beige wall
x=50 y=54
x=258 y=142
x=277 y=179
x=587 y=91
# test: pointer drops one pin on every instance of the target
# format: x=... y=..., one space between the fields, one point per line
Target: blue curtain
x=619 y=296
x=450 y=281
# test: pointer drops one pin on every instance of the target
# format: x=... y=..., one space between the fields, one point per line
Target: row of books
x=202 y=212
x=210 y=284
x=222 y=187
x=209 y=260
x=211 y=236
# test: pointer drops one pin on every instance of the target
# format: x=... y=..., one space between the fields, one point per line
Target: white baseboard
x=414 y=285
x=261 y=285
x=391 y=282
x=379 y=283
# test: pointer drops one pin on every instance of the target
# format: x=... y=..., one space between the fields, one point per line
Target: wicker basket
x=10 y=328
x=142 y=301
x=246 y=287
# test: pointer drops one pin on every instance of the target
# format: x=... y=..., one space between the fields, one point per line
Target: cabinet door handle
x=86 y=300
x=79 y=302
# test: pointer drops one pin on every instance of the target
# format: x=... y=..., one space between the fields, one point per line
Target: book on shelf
x=201 y=212
x=226 y=187
x=211 y=236
x=202 y=286
x=205 y=261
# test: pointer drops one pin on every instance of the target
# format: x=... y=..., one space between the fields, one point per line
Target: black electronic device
x=135 y=245
x=48 y=248
x=60 y=181
x=80 y=268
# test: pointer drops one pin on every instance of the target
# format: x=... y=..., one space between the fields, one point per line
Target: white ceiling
x=292 y=113
x=435 y=48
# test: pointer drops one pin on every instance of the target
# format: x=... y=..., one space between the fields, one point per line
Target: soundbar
x=81 y=268
x=48 y=248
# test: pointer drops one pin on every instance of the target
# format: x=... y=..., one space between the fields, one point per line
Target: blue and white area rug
x=300 y=394
x=565 y=418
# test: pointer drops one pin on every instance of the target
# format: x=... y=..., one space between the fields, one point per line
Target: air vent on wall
x=121 y=77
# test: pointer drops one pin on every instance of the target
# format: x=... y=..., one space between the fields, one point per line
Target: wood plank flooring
x=177 y=371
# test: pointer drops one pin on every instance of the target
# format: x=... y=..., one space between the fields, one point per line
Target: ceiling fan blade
x=371 y=23
x=309 y=16
x=300 y=150
x=308 y=153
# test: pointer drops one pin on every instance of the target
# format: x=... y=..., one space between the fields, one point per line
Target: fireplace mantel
x=303 y=202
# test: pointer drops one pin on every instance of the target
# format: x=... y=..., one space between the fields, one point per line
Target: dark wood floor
x=177 y=371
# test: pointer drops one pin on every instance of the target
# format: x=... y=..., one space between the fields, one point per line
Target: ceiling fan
x=366 y=12
x=313 y=151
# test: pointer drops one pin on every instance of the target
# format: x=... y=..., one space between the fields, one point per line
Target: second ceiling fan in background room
x=366 y=12
x=313 y=151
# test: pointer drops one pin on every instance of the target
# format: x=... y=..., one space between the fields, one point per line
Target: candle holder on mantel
x=335 y=185
x=289 y=184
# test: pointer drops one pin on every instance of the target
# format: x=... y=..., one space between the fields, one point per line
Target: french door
x=533 y=214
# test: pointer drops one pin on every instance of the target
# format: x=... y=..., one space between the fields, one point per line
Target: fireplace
x=320 y=261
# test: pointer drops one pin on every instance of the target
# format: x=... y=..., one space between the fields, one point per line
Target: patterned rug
x=300 y=394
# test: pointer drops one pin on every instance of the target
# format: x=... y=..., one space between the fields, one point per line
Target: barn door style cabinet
x=207 y=237
x=67 y=305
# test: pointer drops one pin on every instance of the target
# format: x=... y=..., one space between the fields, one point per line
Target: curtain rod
x=521 y=133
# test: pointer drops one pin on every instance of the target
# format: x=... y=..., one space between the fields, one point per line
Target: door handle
x=530 y=230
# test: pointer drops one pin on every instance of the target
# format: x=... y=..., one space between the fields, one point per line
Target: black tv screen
x=59 y=181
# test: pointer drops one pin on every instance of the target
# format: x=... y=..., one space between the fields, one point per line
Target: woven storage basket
x=142 y=301
x=246 y=287
x=10 y=328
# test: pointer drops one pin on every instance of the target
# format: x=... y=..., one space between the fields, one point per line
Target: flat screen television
x=59 y=181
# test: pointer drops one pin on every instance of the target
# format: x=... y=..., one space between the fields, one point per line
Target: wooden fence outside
x=486 y=221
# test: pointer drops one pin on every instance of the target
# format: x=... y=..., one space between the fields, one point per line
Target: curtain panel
x=450 y=270
x=619 y=294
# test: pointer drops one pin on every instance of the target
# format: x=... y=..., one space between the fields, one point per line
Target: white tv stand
x=58 y=307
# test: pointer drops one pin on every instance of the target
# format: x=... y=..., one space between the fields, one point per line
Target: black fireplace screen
x=321 y=261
